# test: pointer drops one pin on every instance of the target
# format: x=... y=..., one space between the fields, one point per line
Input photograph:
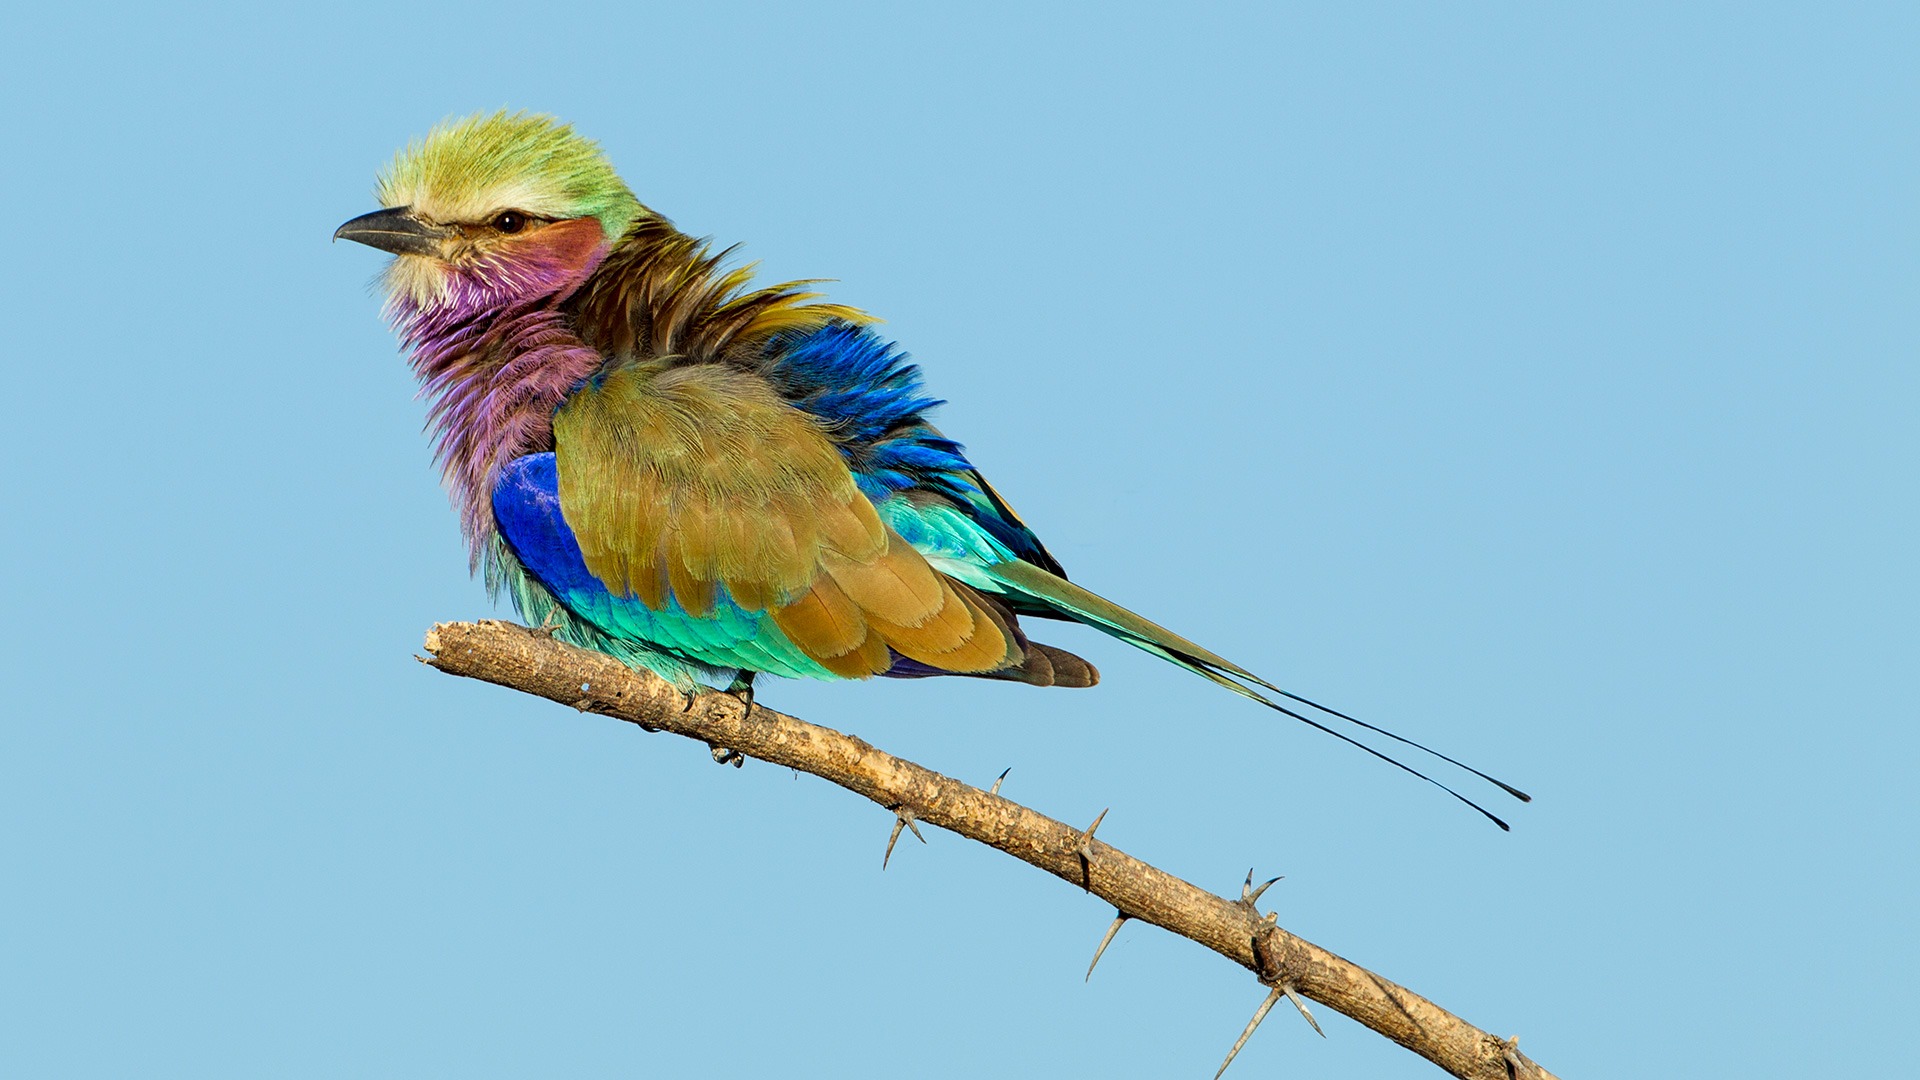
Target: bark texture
x=516 y=657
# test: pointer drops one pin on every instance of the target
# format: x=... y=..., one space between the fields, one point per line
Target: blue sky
x=1538 y=381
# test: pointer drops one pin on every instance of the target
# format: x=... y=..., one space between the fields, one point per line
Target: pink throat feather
x=495 y=357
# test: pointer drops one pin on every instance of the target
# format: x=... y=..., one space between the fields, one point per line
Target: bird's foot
x=742 y=690
x=548 y=624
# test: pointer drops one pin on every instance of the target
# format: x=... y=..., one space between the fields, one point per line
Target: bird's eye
x=510 y=222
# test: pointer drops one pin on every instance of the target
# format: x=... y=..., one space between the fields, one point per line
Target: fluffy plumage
x=695 y=475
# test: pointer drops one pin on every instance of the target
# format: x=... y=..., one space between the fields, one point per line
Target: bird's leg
x=548 y=623
x=742 y=688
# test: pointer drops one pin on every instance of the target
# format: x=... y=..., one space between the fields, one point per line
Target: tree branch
x=526 y=660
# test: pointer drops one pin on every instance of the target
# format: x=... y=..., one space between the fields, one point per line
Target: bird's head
x=494 y=208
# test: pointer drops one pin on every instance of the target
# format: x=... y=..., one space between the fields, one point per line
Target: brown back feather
x=661 y=293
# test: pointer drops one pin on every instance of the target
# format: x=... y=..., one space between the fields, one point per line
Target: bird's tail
x=1026 y=582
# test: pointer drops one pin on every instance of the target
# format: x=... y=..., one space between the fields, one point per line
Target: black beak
x=395 y=230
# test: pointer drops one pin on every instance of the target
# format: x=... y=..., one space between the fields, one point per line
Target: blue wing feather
x=869 y=396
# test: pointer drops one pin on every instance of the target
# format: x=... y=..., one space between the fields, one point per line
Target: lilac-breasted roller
x=705 y=479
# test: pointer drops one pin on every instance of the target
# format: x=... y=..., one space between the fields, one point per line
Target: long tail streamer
x=1069 y=601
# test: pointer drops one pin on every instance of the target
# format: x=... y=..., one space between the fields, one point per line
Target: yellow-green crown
x=471 y=169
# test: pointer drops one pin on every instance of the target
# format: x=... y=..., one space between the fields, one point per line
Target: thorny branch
x=1289 y=966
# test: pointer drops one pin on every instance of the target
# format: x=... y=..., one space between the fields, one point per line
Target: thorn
x=1300 y=1003
x=995 y=789
x=1085 y=850
x=1250 y=894
x=1517 y=1062
x=902 y=819
x=725 y=756
x=1119 y=919
x=1259 y=1014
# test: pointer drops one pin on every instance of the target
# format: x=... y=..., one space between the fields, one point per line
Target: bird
x=655 y=458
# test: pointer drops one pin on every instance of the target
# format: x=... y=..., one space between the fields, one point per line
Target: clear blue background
x=1540 y=381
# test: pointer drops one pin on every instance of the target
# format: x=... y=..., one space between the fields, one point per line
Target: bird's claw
x=741 y=689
